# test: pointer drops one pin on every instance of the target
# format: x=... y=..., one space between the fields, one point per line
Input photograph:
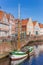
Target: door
x=36 y=32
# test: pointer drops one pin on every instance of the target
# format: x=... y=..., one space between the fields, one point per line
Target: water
x=35 y=60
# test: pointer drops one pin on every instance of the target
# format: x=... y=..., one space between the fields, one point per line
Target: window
x=36 y=32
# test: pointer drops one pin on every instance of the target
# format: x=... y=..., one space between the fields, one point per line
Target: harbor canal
x=36 y=59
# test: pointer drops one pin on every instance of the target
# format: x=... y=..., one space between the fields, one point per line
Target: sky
x=28 y=8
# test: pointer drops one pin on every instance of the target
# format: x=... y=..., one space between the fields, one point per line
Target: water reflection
x=34 y=61
x=37 y=59
x=37 y=51
x=30 y=61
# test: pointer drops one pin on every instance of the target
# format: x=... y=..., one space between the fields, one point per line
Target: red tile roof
x=7 y=15
x=1 y=15
x=40 y=25
x=24 y=22
x=34 y=23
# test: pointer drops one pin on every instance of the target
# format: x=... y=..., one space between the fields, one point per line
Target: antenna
x=18 y=11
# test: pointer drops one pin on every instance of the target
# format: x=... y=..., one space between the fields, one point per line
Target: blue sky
x=29 y=8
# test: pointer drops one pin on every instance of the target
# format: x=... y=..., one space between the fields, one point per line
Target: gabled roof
x=2 y=14
x=7 y=15
x=34 y=23
x=40 y=25
x=24 y=22
x=17 y=20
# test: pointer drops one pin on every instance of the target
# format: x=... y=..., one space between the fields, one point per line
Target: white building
x=29 y=29
x=36 y=28
x=41 y=28
x=4 y=26
x=27 y=26
x=7 y=24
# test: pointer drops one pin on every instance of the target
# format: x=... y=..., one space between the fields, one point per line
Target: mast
x=18 y=11
x=18 y=44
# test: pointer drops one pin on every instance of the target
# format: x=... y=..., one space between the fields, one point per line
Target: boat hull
x=31 y=53
x=18 y=60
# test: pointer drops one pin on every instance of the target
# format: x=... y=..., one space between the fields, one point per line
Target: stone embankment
x=5 y=60
x=32 y=41
x=5 y=47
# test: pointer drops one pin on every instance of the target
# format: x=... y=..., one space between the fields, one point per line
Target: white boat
x=30 y=49
x=18 y=57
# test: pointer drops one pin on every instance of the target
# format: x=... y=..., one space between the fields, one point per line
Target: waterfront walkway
x=32 y=41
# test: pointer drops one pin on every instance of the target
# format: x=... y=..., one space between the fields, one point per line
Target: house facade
x=27 y=26
x=11 y=25
x=41 y=28
x=18 y=28
x=32 y=27
x=36 y=28
x=4 y=26
x=7 y=24
x=24 y=27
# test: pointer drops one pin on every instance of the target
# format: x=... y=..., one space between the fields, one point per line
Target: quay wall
x=5 y=61
x=32 y=40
